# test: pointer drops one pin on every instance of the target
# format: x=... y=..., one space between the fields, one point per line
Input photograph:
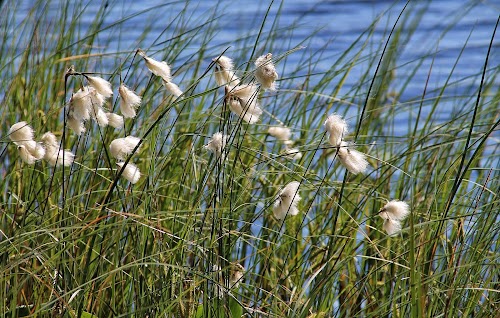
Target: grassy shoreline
x=82 y=241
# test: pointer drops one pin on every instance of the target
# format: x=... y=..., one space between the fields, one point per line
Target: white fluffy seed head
x=243 y=92
x=97 y=100
x=242 y=100
x=131 y=172
x=76 y=125
x=279 y=132
x=395 y=210
x=247 y=95
x=237 y=108
x=115 y=120
x=129 y=101
x=266 y=73
x=217 y=143
x=384 y=215
x=351 y=159
x=224 y=77
x=50 y=140
x=392 y=227
x=286 y=201
x=66 y=158
x=121 y=148
x=224 y=63
x=80 y=104
x=25 y=155
x=100 y=117
x=87 y=103
x=172 y=88
x=161 y=69
x=224 y=71
x=102 y=86
x=53 y=154
x=20 y=132
x=337 y=127
x=280 y=211
x=58 y=157
x=37 y=151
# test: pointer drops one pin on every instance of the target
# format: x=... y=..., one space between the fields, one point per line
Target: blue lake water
x=451 y=34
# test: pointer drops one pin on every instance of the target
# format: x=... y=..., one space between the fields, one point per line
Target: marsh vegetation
x=214 y=188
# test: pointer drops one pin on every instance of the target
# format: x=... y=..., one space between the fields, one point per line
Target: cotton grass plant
x=130 y=215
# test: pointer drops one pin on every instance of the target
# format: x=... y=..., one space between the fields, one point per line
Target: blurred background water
x=443 y=42
x=452 y=35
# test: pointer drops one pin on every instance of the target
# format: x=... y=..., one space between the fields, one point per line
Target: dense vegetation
x=83 y=241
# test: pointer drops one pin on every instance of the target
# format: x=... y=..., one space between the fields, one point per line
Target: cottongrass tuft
x=80 y=104
x=87 y=103
x=247 y=93
x=25 y=155
x=395 y=210
x=337 y=127
x=246 y=114
x=393 y=213
x=286 y=201
x=97 y=100
x=120 y=148
x=392 y=227
x=75 y=124
x=53 y=154
x=129 y=101
x=173 y=88
x=100 y=117
x=49 y=139
x=224 y=62
x=266 y=73
x=101 y=85
x=281 y=133
x=224 y=71
x=115 y=120
x=36 y=149
x=29 y=150
x=29 y=157
x=353 y=160
x=161 y=69
x=217 y=144
x=131 y=172
x=242 y=100
x=20 y=132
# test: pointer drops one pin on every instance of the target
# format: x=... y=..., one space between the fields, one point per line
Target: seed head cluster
x=242 y=95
